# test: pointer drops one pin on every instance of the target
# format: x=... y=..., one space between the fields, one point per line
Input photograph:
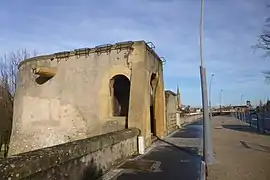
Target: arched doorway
x=120 y=88
x=153 y=84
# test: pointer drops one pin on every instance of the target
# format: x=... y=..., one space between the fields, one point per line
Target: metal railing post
x=263 y=121
x=250 y=119
x=258 y=124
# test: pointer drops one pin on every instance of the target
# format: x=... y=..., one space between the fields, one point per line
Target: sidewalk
x=240 y=152
x=176 y=157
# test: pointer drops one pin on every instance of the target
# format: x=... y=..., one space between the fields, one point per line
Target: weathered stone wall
x=139 y=116
x=171 y=105
x=155 y=66
x=77 y=103
x=83 y=159
x=74 y=104
x=190 y=118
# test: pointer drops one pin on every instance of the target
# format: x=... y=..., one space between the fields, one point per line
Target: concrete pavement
x=176 y=157
x=240 y=151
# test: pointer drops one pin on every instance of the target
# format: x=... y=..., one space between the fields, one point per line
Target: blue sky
x=231 y=28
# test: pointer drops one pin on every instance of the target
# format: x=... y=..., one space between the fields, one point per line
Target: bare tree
x=264 y=44
x=264 y=38
x=8 y=80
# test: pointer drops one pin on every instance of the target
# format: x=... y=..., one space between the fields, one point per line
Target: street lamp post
x=220 y=99
x=207 y=140
x=241 y=99
x=210 y=103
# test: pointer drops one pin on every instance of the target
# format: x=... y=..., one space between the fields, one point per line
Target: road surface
x=240 y=151
x=175 y=157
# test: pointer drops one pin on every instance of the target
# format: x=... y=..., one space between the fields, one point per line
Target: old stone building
x=72 y=95
x=179 y=101
x=172 y=113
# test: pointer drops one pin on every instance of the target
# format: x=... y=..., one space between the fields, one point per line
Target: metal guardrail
x=260 y=121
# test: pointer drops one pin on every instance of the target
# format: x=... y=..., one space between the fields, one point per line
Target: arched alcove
x=153 y=87
x=120 y=90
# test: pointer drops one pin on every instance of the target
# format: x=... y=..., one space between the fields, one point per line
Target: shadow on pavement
x=255 y=146
x=189 y=131
x=172 y=164
x=243 y=128
x=198 y=122
x=193 y=151
x=171 y=161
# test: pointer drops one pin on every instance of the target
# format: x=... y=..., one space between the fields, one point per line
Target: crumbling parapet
x=71 y=95
x=82 y=159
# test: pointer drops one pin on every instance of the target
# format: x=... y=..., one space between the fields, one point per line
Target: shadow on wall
x=4 y=142
x=6 y=113
x=91 y=171
x=41 y=80
x=68 y=171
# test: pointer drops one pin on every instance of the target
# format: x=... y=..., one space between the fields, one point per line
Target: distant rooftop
x=170 y=92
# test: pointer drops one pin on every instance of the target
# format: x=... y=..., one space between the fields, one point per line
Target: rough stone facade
x=82 y=99
x=79 y=160
x=190 y=118
x=171 y=111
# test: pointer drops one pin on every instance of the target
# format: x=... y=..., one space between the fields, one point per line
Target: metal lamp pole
x=220 y=99
x=210 y=104
x=241 y=99
x=207 y=139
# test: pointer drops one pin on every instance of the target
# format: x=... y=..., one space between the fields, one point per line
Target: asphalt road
x=176 y=157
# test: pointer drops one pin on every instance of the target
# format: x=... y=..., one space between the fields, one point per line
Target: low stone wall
x=190 y=118
x=174 y=121
x=83 y=159
x=171 y=123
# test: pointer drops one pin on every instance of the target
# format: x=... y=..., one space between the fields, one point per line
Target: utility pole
x=207 y=139
x=210 y=98
x=220 y=99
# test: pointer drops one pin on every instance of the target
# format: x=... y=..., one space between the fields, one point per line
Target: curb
x=203 y=169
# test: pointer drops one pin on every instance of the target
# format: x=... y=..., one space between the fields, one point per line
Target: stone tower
x=179 y=103
x=86 y=92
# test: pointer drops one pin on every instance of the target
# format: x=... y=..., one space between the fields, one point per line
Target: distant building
x=171 y=109
x=179 y=102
